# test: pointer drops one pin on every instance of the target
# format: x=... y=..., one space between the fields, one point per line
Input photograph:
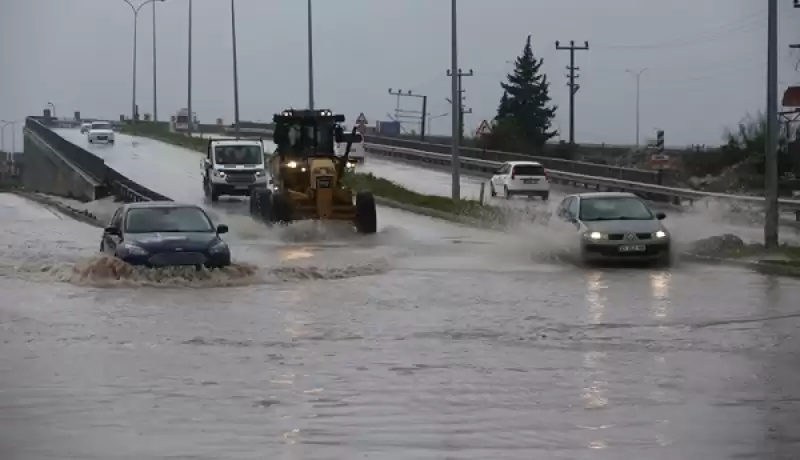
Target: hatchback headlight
x=594 y=235
x=132 y=249
x=218 y=247
x=660 y=234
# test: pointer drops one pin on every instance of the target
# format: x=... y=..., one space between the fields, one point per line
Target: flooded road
x=428 y=341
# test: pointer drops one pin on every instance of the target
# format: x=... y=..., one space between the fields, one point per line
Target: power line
x=573 y=87
x=706 y=36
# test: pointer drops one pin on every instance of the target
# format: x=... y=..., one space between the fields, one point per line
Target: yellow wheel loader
x=307 y=174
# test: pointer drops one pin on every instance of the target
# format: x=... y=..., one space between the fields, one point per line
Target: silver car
x=616 y=226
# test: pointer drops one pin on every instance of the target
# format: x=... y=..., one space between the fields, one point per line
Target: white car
x=101 y=132
x=527 y=178
x=85 y=127
x=616 y=226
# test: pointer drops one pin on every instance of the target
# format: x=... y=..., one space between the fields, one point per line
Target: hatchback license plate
x=531 y=181
x=633 y=248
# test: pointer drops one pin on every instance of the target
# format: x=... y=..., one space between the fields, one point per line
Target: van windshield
x=238 y=155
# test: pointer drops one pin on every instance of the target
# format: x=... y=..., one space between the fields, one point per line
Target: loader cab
x=301 y=136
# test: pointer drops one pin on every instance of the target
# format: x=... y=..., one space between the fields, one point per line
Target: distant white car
x=101 y=132
x=85 y=127
x=527 y=178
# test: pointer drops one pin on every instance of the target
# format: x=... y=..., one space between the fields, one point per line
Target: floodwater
x=425 y=341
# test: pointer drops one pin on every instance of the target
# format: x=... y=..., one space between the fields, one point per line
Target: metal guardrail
x=94 y=166
x=486 y=168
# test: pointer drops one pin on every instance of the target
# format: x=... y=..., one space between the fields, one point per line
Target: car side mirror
x=111 y=230
x=661 y=216
x=222 y=229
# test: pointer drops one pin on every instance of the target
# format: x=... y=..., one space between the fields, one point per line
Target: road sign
x=362 y=119
x=660 y=140
x=483 y=129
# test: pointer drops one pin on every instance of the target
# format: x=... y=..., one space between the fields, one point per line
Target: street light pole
x=310 y=60
x=135 y=10
x=456 y=98
x=638 y=75
x=189 y=95
x=771 y=154
x=155 y=80
x=235 y=72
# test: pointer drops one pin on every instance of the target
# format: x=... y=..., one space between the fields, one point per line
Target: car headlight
x=132 y=249
x=292 y=164
x=351 y=165
x=594 y=236
x=661 y=234
x=218 y=247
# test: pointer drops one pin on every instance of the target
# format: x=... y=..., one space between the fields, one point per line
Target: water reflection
x=595 y=390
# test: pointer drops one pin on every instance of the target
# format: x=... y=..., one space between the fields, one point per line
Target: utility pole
x=399 y=93
x=573 y=87
x=455 y=160
x=189 y=95
x=235 y=73
x=310 y=60
x=638 y=75
x=459 y=110
x=771 y=166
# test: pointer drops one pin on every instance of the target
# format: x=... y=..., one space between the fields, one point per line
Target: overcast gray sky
x=706 y=58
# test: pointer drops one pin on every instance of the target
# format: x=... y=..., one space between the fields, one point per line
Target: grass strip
x=357 y=181
x=785 y=254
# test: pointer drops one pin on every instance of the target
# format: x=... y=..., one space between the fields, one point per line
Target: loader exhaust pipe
x=343 y=164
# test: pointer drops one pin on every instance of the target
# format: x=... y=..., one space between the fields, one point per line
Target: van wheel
x=366 y=214
x=492 y=191
x=545 y=196
x=506 y=192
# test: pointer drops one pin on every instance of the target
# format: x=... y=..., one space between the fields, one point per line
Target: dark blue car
x=164 y=233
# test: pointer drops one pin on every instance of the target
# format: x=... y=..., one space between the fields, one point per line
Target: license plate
x=633 y=248
x=531 y=181
x=323 y=182
x=101 y=138
x=242 y=187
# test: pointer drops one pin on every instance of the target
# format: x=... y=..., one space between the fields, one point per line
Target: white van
x=356 y=149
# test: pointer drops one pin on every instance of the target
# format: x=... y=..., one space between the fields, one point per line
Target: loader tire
x=264 y=202
x=366 y=215
x=281 y=209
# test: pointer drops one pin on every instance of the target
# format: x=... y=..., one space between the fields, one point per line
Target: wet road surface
x=446 y=343
x=426 y=341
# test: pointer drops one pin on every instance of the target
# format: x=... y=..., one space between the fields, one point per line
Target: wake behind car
x=527 y=178
x=616 y=226
x=233 y=167
x=101 y=132
x=165 y=233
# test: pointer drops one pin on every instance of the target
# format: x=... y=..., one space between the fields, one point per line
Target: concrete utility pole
x=155 y=80
x=460 y=74
x=638 y=75
x=189 y=95
x=456 y=179
x=399 y=93
x=235 y=72
x=573 y=87
x=771 y=166
x=310 y=60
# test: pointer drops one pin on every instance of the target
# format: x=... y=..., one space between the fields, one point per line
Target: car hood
x=170 y=241
x=624 y=226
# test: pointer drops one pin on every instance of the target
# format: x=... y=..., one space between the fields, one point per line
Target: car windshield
x=622 y=208
x=238 y=154
x=167 y=219
x=101 y=126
